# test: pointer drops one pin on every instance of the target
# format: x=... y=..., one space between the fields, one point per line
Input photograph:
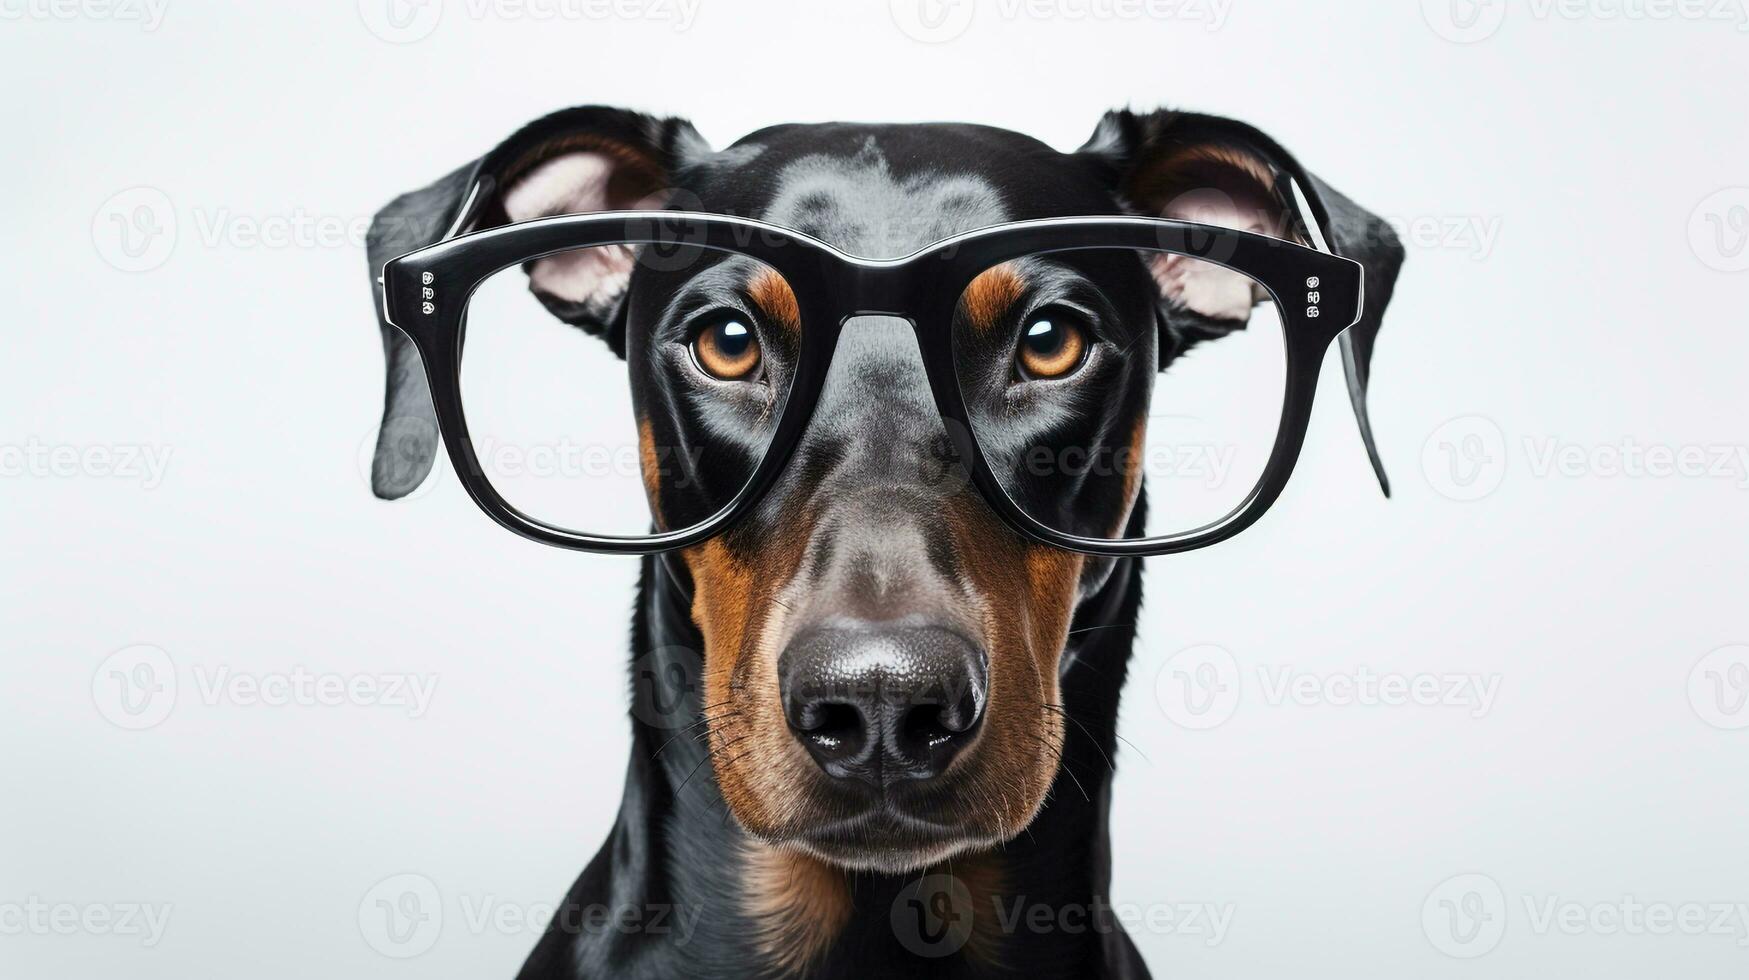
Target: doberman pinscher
x=883 y=832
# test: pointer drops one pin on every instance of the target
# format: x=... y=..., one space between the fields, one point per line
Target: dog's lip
x=885 y=827
x=882 y=839
x=887 y=822
x=901 y=807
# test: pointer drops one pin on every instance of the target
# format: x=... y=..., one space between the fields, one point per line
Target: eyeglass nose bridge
x=879 y=288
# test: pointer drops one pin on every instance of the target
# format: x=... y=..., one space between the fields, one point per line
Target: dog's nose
x=881 y=703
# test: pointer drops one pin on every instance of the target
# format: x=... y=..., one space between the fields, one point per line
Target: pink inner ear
x=575 y=183
x=585 y=275
x=1205 y=287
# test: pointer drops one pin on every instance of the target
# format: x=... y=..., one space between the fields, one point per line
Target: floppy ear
x=1223 y=172
x=590 y=158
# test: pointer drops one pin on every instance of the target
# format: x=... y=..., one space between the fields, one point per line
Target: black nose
x=880 y=703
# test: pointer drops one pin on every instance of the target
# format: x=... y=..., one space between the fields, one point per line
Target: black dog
x=740 y=852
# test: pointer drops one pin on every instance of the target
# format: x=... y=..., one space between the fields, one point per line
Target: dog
x=977 y=778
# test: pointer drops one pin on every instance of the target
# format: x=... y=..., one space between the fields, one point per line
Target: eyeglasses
x=1071 y=362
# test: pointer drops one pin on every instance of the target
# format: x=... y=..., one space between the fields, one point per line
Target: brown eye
x=1053 y=345
x=727 y=349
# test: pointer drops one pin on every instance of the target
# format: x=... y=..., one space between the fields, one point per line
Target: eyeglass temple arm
x=1350 y=364
x=464 y=218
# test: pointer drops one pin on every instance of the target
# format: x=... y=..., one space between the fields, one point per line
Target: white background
x=1569 y=285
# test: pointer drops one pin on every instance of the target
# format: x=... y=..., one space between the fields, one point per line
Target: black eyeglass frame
x=426 y=293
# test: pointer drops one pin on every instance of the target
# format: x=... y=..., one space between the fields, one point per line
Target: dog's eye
x=1053 y=344
x=727 y=348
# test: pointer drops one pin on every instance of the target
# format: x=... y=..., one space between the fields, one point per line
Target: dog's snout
x=880 y=703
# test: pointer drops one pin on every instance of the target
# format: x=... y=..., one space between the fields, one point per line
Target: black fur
x=673 y=846
x=877 y=191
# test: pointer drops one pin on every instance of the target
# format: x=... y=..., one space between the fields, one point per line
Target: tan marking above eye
x=991 y=294
x=775 y=299
x=727 y=348
x=1051 y=346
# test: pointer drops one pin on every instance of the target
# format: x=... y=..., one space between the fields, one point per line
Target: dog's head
x=881 y=652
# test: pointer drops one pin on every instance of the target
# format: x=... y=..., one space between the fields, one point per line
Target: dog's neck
x=679 y=889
